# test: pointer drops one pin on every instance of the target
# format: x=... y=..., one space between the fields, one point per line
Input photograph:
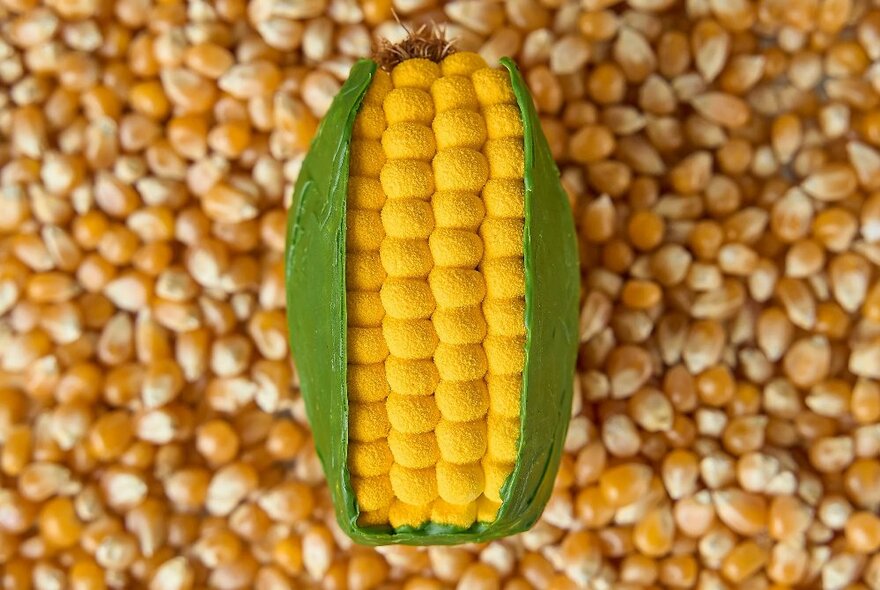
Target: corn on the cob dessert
x=432 y=289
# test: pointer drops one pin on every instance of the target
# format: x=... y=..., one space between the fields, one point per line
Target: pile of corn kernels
x=721 y=157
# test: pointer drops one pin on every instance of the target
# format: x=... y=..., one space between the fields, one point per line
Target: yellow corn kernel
x=408 y=104
x=409 y=339
x=460 y=362
x=453 y=92
x=459 y=484
x=368 y=422
x=460 y=325
x=373 y=517
x=503 y=120
x=373 y=493
x=366 y=346
x=415 y=73
x=367 y=157
x=407 y=179
x=460 y=169
x=457 y=515
x=413 y=486
x=412 y=414
x=506 y=158
x=458 y=210
x=487 y=510
x=505 y=355
x=363 y=230
x=493 y=87
x=367 y=383
x=369 y=459
x=402 y=514
x=416 y=450
x=461 y=442
x=504 y=197
x=503 y=238
x=462 y=63
x=504 y=278
x=407 y=140
x=406 y=258
x=379 y=88
x=408 y=219
x=411 y=377
x=503 y=435
x=365 y=193
x=459 y=128
x=364 y=309
x=407 y=299
x=363 y=271
x=456 y=287
x=456 y=248
x=505 y=317
x=505 y=394
x=496 y=474
x=369 y=122
x=462 y=401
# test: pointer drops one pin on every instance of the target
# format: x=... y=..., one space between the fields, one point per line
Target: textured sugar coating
x=436 y=310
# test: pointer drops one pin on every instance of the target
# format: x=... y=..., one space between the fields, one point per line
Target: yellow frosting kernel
x=459 y=128
x=503 y=238
x=367 y=383
x=369 y=459
x=407 y=299
x=409 y=219
x=379 y=88
x=373 y=517
x=459 y=484
x=373 y=493
x=460 y=362
x=367 y=157
x=458 y=210
x=506 y=355
x=496 y=474
x=502 y=438
x=412 y=414
x=365 y=193
x=369 y=122
x=503 y=120
x=415 y=73
x=363 y=271
x=366 y=346
x=460 y=169
x=505 y=394
x=457 y=515
x=409 y=339
x=487 y=510
x=456 y=248
x=408 y=104
x=504 y=278
x=364 y=231
x=505 y=317
x=407 y=179
x=461 y=442
x=493 y=86
x=462 y=401
x=505 y=197
x=406 y=258
x=414 y=450
x=454 y=92
x=364 y=309
x=413 y=486
x=402 y=514
x=411 y=377
x=506 y=157
x=408 y=140
x=457 y=287
x=368 y=422
x=462 y=63
x=460 y=325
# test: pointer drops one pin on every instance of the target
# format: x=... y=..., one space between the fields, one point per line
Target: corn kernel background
x=722 y=158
